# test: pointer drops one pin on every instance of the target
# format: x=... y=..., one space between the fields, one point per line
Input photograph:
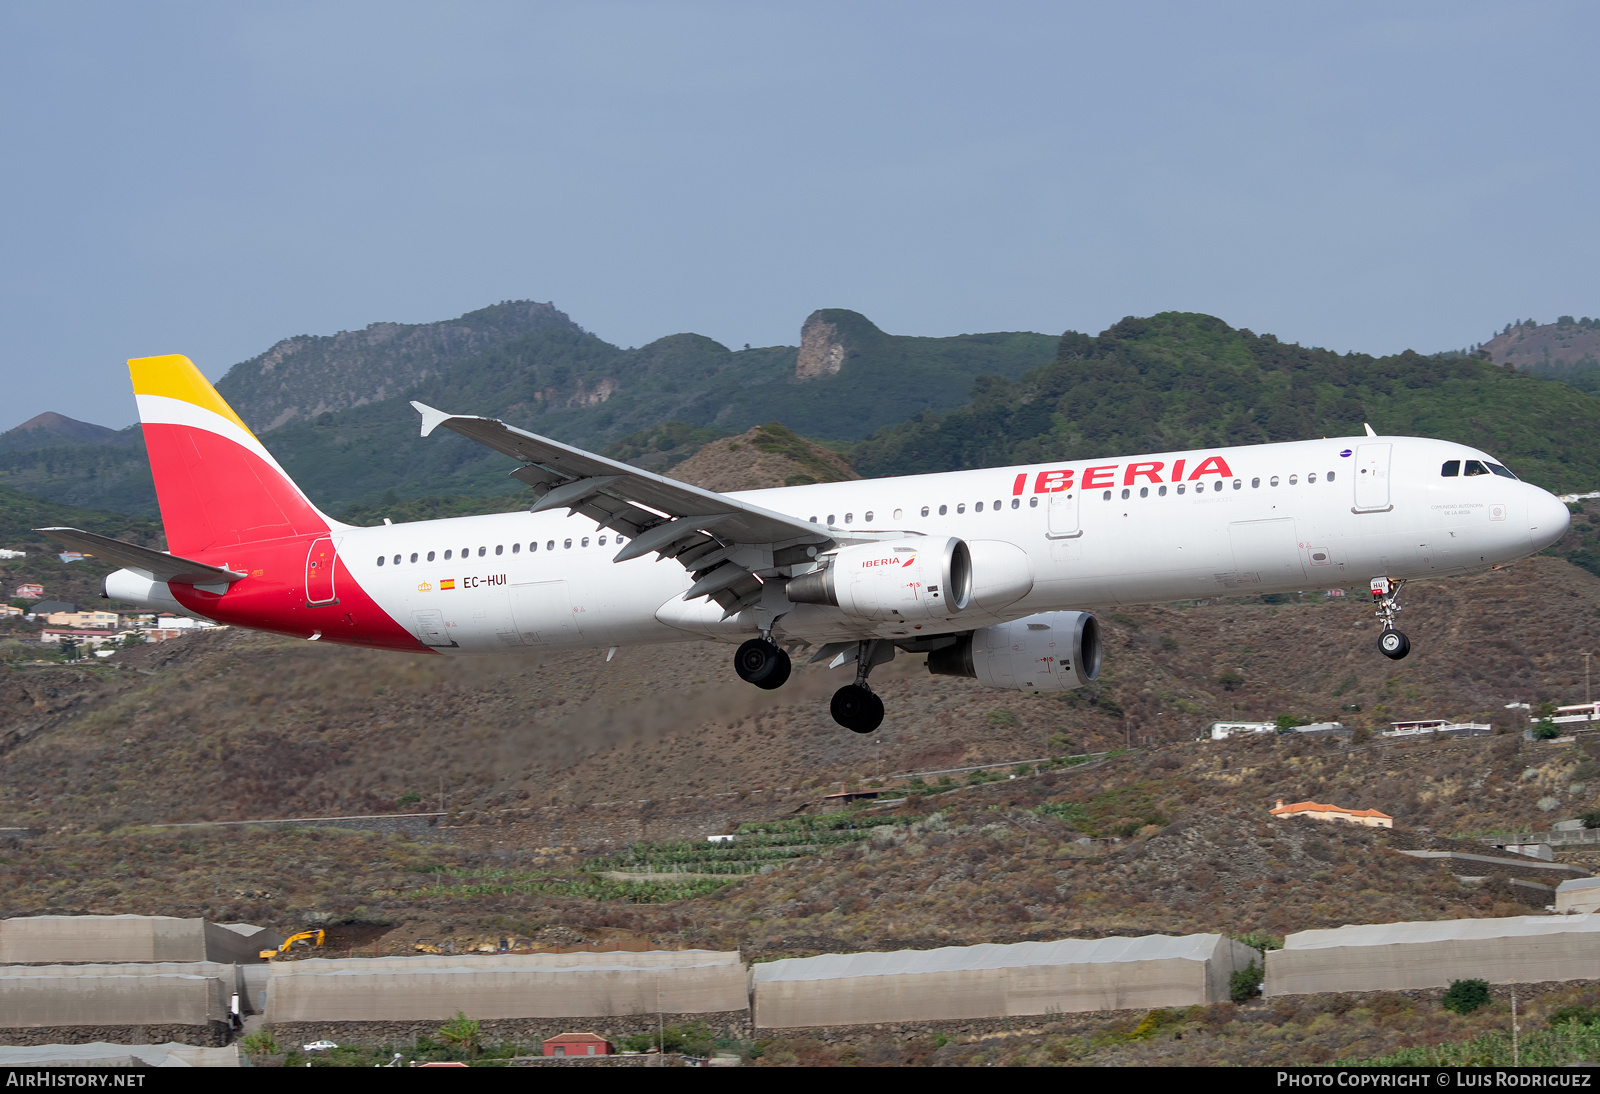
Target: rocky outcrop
x=822 y=352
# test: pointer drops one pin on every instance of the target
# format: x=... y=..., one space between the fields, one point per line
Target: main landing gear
x=1386 y=596
x=855 y=706
x=762 y=662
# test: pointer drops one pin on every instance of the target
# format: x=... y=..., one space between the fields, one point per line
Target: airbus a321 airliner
x=993 y=574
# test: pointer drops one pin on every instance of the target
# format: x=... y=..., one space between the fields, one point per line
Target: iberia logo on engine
x=869 y=563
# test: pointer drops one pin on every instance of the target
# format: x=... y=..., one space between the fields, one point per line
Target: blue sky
x=209 y=178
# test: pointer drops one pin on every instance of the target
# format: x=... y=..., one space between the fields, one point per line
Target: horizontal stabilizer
x=159 y=564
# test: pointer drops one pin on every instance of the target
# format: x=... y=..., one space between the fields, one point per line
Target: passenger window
x=943 y=509
x=813 y=520
x=447 y=556
x=1255 y=484
x=1182 y=488
x=1144 y=491
x=1476 y=468
x=898 y=513
x=868 y=517
x=567 y=544
x=1161 y=491
x=516 y=548
x=621 y=540
x=978 y=508
x=532 y=547
x=584 y=542
x=397 y=560
x=1450 y=470
x=482 y=551
x=849 y=518
x=1237 y=483
x=380 y=560
x=499 y=548
x=924 y=510
x=1217 y=486
x=1311 y=477
x=1330 y=476
x=961 y=507
x=430 y=556
x=1125 y=493
x=413 y=556
x=602 y=541
x=1106 y=496
x=1273 y=481
x=1033 y=502
x=1503 y=472
x=550 y=545
x=830 y=519
x=1294 y=480
x=1016 y=503
x=997 y=505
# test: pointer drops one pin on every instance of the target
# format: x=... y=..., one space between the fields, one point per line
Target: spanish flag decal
x=448 y=583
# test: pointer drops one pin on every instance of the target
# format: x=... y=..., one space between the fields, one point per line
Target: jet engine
x=919 y=579
x=1051 y=651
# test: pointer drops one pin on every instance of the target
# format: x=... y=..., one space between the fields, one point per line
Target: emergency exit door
x=319 y=573
x=1372 y=478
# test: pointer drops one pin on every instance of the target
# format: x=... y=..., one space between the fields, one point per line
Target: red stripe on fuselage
x=273 y=598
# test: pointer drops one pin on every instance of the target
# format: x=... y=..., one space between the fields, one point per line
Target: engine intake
x=903 y=579
x=1051 y=651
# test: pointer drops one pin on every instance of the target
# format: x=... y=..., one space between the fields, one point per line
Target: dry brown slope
x=233 y=725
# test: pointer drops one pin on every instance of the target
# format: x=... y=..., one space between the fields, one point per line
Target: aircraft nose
x=1548 y=519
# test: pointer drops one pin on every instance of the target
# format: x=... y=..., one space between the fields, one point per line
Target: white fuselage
x=1284 y=517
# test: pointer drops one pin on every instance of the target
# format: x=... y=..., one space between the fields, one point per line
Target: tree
x=461 y=1033
x=1465 y=996
x=1245 y=984
x=1546 y=730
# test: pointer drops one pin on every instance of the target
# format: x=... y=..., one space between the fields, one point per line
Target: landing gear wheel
x=762 y=663
x=1393 y=645
x=856 y=708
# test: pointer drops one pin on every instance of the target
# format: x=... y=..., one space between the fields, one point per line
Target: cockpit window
x=1503 y=472
x=1476 y=468
x=1451 y=469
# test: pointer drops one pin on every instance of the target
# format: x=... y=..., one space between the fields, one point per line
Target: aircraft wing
x=724 y=542
x=159 y=564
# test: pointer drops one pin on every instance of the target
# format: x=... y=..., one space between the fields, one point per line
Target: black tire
x=780 y=671
x=761 y=663
x=1393 y=645
x=856 y=708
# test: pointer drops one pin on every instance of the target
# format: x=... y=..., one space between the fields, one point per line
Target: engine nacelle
x=138 y=589
x=917 y=579
x=1051 y=651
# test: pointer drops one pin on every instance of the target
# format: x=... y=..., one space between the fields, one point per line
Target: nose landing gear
x=763 y=663
x=1386 y=596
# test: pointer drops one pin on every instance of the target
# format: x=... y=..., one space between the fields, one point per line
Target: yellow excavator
x=315 y=937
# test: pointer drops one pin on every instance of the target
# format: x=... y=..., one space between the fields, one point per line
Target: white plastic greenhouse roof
x=1446 y=930
x=1578 y=883
x=1068 y=951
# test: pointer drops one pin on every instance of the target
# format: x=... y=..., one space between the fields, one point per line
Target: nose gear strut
x=1386 y=597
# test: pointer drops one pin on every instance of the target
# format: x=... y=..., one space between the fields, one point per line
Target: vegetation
x=1466 y=996
x=691 y=1038
x=461 y=1033
x=1179 y=380
x=1245 y=984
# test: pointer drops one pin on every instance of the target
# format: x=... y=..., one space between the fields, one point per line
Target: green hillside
x=355 y=442
x=1181 y=380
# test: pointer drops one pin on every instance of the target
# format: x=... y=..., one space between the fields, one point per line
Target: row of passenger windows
x=1452 y=469
x=1238 y=484
x=961 y=507
x=500 y=549
x=1144 y=492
